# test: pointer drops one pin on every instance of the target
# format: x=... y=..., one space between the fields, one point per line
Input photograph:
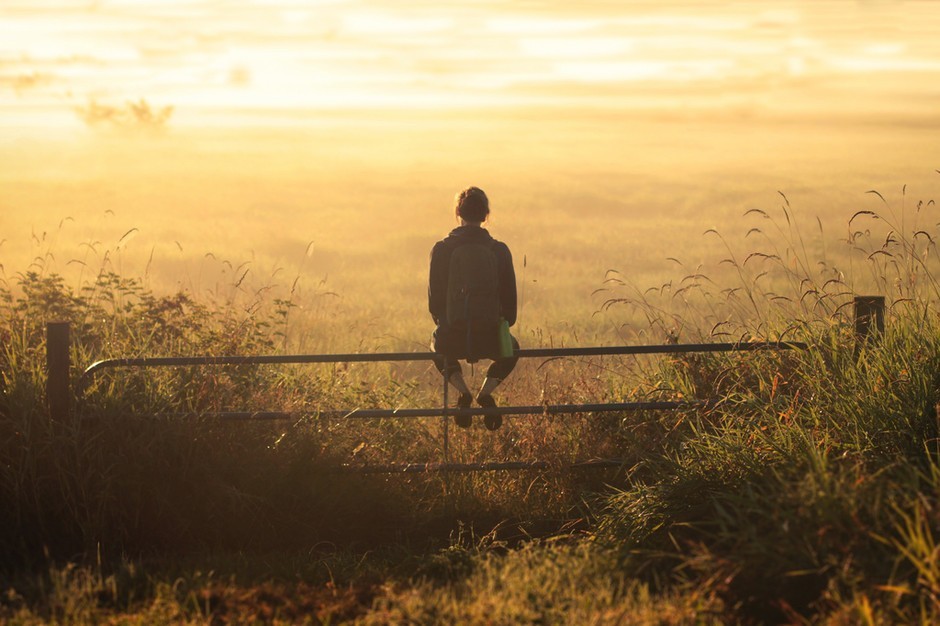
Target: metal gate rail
x=535 y=409
x=357 y=357
x=444 y=412
x=487 y=466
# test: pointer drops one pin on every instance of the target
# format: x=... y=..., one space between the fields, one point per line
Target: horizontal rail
x=377 y=357
x=409 y=468
x=538 y=409
x=486 y=466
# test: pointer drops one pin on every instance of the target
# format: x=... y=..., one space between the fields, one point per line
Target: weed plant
x=127 y=473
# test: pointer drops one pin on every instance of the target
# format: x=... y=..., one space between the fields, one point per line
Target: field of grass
x=808 y=493
x=342 y=213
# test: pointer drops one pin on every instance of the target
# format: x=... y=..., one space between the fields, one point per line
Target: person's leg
x=442 y=345
x=498 y=371
x=453 y=373
x=464 y=400
x=495 y=375
x=457 y=382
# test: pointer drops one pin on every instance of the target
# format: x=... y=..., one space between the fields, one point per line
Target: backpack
x=473 y=290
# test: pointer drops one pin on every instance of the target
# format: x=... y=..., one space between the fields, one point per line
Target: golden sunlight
x=366 y=54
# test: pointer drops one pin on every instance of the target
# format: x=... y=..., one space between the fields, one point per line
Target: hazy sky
x=303 y=56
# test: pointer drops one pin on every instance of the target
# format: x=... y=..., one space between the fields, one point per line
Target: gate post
x=57 y=370
x=869 y=318
x=444 y=420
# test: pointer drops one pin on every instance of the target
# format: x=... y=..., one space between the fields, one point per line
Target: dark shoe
x=492 y=421
x=463 y=402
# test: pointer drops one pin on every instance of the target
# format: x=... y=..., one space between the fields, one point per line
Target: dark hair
x=472 y=205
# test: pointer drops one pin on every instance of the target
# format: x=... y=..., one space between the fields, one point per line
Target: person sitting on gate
x=471 y=290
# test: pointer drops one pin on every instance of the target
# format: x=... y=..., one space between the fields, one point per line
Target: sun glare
x=378 y=23
x=364 y=54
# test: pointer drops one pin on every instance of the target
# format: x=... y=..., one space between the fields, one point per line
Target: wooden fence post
x=57 y=370
x=869 y=318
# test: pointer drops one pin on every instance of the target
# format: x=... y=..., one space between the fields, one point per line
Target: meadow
x=341 y=210
x=807 y=494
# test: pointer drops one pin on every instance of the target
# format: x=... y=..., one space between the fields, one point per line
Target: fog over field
x=325 y=141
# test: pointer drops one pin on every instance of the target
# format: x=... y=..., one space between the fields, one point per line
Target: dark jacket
x=440 y=266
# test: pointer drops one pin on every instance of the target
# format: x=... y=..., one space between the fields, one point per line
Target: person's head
x=472 y=205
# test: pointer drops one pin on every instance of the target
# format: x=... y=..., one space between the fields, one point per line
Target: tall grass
x=115 y=477
x=807 y=492
x=129 y=474
x=782 y=498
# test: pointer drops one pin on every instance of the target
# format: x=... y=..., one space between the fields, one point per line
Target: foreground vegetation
x=807 y=493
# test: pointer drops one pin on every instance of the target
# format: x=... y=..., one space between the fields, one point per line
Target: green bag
x=505 y=339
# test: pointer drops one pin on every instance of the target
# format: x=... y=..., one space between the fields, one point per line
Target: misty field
x=342 y=212
x=806 y=493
